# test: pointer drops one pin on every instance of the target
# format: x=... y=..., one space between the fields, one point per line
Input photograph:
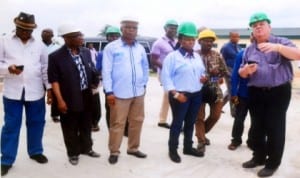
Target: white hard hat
x=129 y=19
x=66 y=29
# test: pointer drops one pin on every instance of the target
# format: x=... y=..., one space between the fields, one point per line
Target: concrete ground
x=218 y=161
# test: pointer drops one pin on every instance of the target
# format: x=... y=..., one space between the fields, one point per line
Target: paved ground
x=218 y=161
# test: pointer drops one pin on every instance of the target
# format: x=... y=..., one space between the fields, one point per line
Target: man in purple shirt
x=160 y=49
x=267 y=65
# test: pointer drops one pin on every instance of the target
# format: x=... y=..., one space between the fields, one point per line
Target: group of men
x=69 y=75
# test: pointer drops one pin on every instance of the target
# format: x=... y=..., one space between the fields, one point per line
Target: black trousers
x=76 y=128
x=268 y=107
x=54 y=109
x=238 y=125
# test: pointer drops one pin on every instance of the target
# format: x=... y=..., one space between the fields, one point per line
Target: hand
x=13 y=70
x=251 y=68
x=221 y=80
x=181 y=98
x=111 y=99
x=49 y=96
x=269 y=47
x=203 y=79
x=62 y=106
x=234 y=100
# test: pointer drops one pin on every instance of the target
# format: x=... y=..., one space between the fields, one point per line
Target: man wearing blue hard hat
x=267 y=65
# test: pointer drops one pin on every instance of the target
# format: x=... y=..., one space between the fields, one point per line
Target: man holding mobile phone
x=18 y=63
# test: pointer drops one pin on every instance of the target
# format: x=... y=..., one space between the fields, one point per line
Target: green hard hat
x=257 y=17
x=188 y=29
x=112 y=29
x=171 y=22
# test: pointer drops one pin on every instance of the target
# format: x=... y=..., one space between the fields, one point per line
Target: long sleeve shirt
x=34 y=79
x=273 y=69
x=125 y=69
x=238 y=84
x=182 y=72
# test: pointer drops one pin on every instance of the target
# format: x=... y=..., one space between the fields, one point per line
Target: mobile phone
x=20 y=67
x=251 y=62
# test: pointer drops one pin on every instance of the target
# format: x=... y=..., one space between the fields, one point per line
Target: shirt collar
x=185 y=53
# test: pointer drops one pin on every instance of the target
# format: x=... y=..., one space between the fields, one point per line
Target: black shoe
x=164 y=125
x=113 y=159
x=174 y=156
x=233 y=146
x=40 y=158
x=74 y=160
x=265 y=172
x=137 y=154
x=55 y=119
x=252 y=164
x=92 y=154
x=4 y=169
x=207 y=141
x=193 y=152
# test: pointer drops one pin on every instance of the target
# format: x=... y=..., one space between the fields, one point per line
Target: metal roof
x=291 y=33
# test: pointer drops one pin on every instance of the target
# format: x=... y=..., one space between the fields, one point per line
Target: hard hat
x=171 y=22
x=112 y=29
x=129 y=19
x=187 y=29
x=207 y=33
x=66 y=29
x=257 y=17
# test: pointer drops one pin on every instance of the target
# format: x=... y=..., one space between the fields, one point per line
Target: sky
x=92 y=15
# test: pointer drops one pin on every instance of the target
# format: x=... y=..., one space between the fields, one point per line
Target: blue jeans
x=187 y=113
x=35 y=121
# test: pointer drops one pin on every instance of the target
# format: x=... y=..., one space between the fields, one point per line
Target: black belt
x=270 y=88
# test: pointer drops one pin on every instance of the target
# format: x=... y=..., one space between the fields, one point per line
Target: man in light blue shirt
x=125 y=75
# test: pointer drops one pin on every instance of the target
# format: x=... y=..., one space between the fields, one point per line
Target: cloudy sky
x=93 y=15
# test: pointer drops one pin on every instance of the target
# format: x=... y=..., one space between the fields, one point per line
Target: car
x=100 y=42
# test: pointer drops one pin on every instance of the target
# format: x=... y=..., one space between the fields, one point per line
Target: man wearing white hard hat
x=125 y=75
x=72 y=76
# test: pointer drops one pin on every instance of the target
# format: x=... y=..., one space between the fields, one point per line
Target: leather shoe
x=92 y=154
x=137 y=154
x=193 y=152
x=252 y=164
x=207 y=141
x=40 y=158
x=74 y=160
x=174 y=156
x=113 y=159
x=266 y=172
x=4 y=169
x=233 y=146
x=164 y=125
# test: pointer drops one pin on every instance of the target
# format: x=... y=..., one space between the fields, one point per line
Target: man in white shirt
x=47 y=35
x=23 y=63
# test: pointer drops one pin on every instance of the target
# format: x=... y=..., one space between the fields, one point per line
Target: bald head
x=234 y=37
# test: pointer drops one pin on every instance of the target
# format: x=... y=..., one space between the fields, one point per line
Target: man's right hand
x=13 y=70
x=111 y=99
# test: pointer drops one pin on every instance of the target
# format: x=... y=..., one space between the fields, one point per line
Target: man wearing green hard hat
x=181 y=77
x=160 y=49
x=267 y=66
